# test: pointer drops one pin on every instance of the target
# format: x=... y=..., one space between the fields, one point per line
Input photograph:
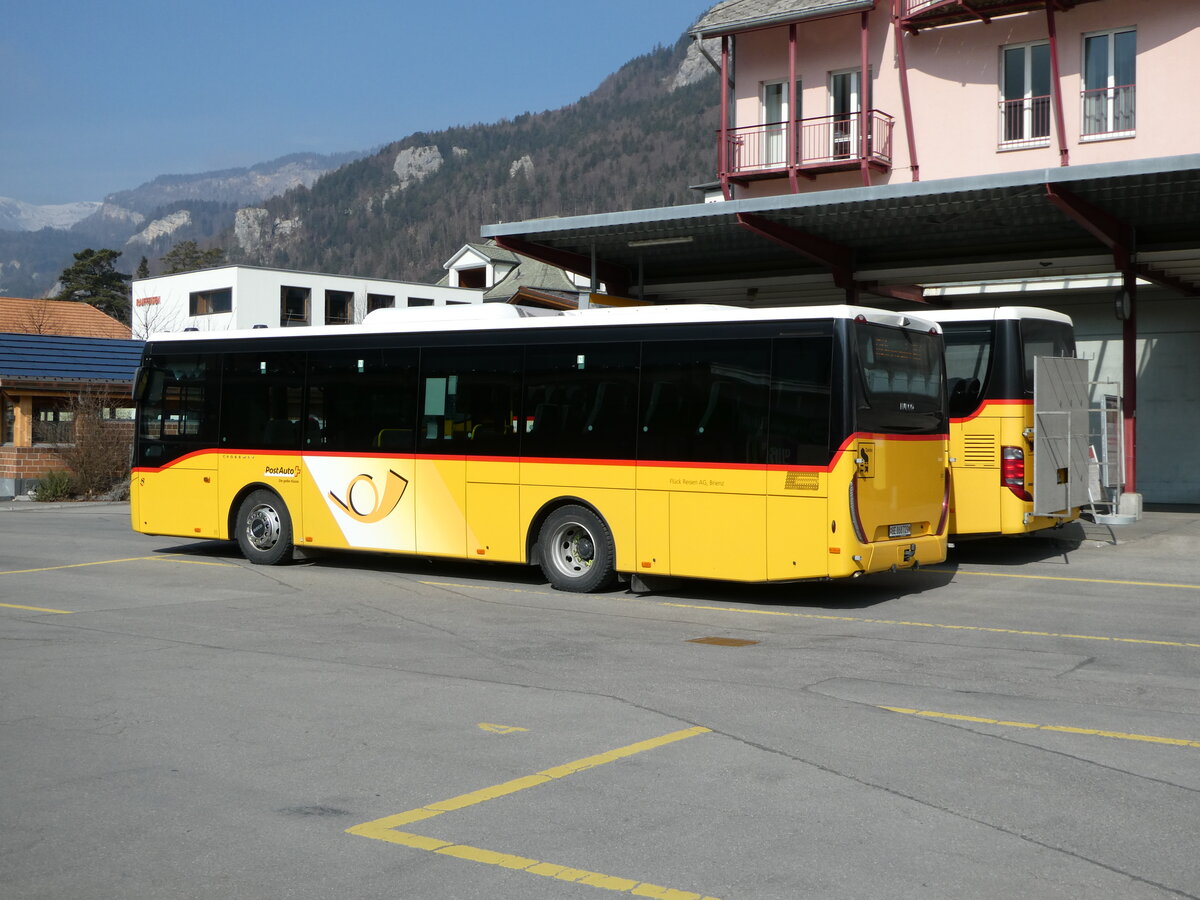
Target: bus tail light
x=1012 y=471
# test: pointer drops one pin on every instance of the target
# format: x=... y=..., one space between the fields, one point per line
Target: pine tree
x=93 y=279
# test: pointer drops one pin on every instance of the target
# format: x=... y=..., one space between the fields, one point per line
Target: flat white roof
x=990 y=313
x=497 y=316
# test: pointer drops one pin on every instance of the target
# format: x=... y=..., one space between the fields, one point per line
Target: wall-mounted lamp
x=1123 y=304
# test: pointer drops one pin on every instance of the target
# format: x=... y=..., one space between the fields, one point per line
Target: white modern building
x=231 y=297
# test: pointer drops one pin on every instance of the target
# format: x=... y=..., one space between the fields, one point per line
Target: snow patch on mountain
x=16 y=215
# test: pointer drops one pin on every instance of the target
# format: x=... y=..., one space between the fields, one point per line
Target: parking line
x=862 y=619
x=385 y=829
x=1161 y=584
x=65 y=612
x=108 y=562
x=1067 y=729
x=941 y=625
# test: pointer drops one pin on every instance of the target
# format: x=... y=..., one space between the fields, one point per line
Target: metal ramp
x=1060 y=435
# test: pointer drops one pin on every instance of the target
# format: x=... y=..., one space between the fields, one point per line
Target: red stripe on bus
x=565 y=461
x=985 y=404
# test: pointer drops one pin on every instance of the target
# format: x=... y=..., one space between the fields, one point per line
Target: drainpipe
x=864 y=91
x=1064 y=158
x=1129 y=334
x=793 y=133
x=904 y=95
x=723 y=152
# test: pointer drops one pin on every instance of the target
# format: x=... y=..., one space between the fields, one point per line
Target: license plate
x=895 y=531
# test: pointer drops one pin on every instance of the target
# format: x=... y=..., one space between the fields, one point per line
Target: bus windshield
x=901 y=381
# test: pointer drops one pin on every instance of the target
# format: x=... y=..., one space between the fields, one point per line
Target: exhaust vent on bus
x=979 y=450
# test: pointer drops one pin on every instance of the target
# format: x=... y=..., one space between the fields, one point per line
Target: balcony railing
x=1109 y=112
x=828 y=143
x=1025 y=122
x=918 y=14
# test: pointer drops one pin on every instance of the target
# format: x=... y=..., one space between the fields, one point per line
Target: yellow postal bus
x=699 y=441
x=1002 y=436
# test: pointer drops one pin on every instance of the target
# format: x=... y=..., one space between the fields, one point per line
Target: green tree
x=143 y=269
x=93 y=278
x=186 y=256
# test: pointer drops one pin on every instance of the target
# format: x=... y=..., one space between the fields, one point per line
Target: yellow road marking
x=941 y=625
x=1162 y=584
x=385 y=829
x=866 y=621
x=108 y=562
x=1067 y=729
x=500 y=729
x=65 y=612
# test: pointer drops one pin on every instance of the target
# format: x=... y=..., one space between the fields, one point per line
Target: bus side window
x=470 y=400
x=263 y=400
x=361 y=400
x=704 y=401
x=581 y=400
x=800 y=392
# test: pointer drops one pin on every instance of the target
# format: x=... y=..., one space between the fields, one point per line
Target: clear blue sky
x=100 y=97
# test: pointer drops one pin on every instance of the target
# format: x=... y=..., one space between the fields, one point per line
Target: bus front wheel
x=264 y=528
x=575 y=549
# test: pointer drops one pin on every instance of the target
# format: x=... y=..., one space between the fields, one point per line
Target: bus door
x=174 y=486
x=702 y=449
x=1060 y=435
x=359 y=441
x=468 y=441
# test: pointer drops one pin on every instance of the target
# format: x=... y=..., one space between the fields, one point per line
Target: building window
x=846 y=103
x=473 y=277
x=380 y=301
x=207 y=303
x=419 y=301
x=1024 y=96
x=774 y=120
x=1109 y=82
x=53 y=421
x=293 y=305
x=339 y=308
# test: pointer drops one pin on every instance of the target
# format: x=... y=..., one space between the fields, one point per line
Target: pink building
x=953 y=153
x=822 y=94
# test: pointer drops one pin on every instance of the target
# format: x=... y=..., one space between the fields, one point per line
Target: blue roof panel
x=39 y=357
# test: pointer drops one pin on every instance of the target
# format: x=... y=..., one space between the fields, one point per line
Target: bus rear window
x=968 y=363
x=900 y=381
x=1042 y=338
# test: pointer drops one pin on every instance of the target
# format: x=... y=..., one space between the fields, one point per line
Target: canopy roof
x=806 y=247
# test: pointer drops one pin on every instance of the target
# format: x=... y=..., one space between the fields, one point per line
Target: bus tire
x=264 y=528
x=575 y=550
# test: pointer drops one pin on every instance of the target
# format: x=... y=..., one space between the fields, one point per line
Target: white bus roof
x=502 y=316
x=990 y=313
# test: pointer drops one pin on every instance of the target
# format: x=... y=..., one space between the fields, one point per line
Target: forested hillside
x=637 y=141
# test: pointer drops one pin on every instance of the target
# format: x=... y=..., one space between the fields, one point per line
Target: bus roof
x=990 y=313
x=502 y=316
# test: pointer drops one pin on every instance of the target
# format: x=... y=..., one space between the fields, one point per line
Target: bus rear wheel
x=575 y=549
x=264 y=528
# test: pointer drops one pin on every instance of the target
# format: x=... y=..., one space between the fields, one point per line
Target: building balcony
x=919 y=14
x=1108 y=112
x=1025 y=123
x=807 y=147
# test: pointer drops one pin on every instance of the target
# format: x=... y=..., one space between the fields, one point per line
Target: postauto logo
x=381 y=504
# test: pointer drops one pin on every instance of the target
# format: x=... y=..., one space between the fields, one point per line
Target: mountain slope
x=37 y=243
x=639 y=140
